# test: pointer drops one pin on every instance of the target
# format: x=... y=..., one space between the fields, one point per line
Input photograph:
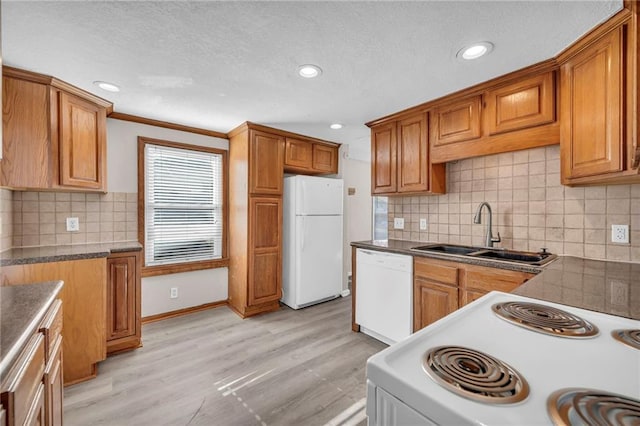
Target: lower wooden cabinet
x=432 y=301
x=33 y=388
x=440 y=287
x=53 y=385
x=123 y=302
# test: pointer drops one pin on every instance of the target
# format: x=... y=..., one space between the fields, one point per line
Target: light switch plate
x=398 y=223
x=620 y=234
x=423 y=224
x=73 y=224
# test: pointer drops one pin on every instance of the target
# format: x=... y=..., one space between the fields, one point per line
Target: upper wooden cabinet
x=310 y=158
x=400 y=159
x=520 y=105
x=456 y=122
x=267 y=161
x=54 y=135
x=599 y=94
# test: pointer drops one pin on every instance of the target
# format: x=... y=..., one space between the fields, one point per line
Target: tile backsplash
x=531 y=209
x=6 y=219
x=39 y=218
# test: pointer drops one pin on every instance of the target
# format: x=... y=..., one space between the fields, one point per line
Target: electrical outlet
x=174 y=292
x=423 y=224
x=73 y=224
x=620 y=234
x=398 y=223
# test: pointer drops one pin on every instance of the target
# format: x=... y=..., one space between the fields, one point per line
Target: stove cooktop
x=547 y=363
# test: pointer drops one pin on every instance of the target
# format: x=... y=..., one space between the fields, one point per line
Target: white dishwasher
x=384 y=295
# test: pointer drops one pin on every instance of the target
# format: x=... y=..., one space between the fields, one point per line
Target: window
x=182 y=206
x=380 y=218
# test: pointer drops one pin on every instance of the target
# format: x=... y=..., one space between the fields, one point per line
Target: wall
x=531 y=209
x=357 y=208
x=194 y=288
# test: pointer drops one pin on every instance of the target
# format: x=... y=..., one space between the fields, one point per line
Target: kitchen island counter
x=22 y=308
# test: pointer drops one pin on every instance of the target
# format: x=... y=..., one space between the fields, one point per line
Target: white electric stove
x=405 y=387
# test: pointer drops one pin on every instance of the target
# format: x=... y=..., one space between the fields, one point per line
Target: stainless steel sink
x=528 y=258
x=447 y=248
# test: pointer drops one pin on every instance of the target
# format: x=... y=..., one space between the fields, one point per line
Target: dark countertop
x=22 y=308
x=602 y=286
x=27 y=255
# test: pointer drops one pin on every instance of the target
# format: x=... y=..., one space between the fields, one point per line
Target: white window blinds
x=183 y=205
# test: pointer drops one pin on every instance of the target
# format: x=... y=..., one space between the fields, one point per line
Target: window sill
x=151 y=271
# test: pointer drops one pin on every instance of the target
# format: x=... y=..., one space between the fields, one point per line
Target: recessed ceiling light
x=336 y=126
x=474 y=51
x=309 y=71
x=109 y=87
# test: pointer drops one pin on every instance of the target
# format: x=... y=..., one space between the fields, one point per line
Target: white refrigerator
x=312 y=240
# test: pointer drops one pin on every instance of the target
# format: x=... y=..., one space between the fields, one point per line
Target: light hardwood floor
x=289 y=367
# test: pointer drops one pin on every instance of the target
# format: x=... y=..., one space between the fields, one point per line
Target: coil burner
x=629 y=337
x=475 y=375
x=574 y=406
x=545 y=319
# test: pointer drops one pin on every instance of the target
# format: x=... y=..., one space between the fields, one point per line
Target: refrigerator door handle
x=303 y=233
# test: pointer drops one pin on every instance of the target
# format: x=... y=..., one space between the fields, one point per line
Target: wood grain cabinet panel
x=53 y=382
x=265 y=254
x=266 y=172
x=527 y=103
x=82 y=143
x=298 y=154
x=123 y=302
x=383 y=159
x=23 y=396
x=456 y=122
x=592 y=127
x=325 y=158
x=54 y=135
x=413 y=154
x=400 y=162
x=432 y=301
x=83 y=309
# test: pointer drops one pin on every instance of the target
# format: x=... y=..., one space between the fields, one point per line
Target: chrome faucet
x=478 y=219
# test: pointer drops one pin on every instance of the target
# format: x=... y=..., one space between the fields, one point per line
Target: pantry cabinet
x=304 y=156
x=400 y=159
x=123 y=302
x=599 y=93
x=54 y=135
x=440 y=287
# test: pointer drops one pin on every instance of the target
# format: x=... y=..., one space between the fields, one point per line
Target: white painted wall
x=194 y=288
x=357 y=211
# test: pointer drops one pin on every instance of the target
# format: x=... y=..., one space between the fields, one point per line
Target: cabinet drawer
x=490 y=279
x=51 y=327
x=24 y=385
x=435 y=271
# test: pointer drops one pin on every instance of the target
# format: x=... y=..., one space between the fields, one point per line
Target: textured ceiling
x=217 y=64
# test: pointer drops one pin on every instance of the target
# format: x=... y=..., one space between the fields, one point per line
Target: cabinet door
x=123 y=302
x=325 y=158
x=82 y=143
x=383 y=159
x=527 y=103
x=53 y=390
x=456 y=122
x=591 y=136
x=266 y=163
x=413 y=154
x=432 y=301
x=298 y=154
x=468 y=296
x=26 y=138
x=265 y=250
